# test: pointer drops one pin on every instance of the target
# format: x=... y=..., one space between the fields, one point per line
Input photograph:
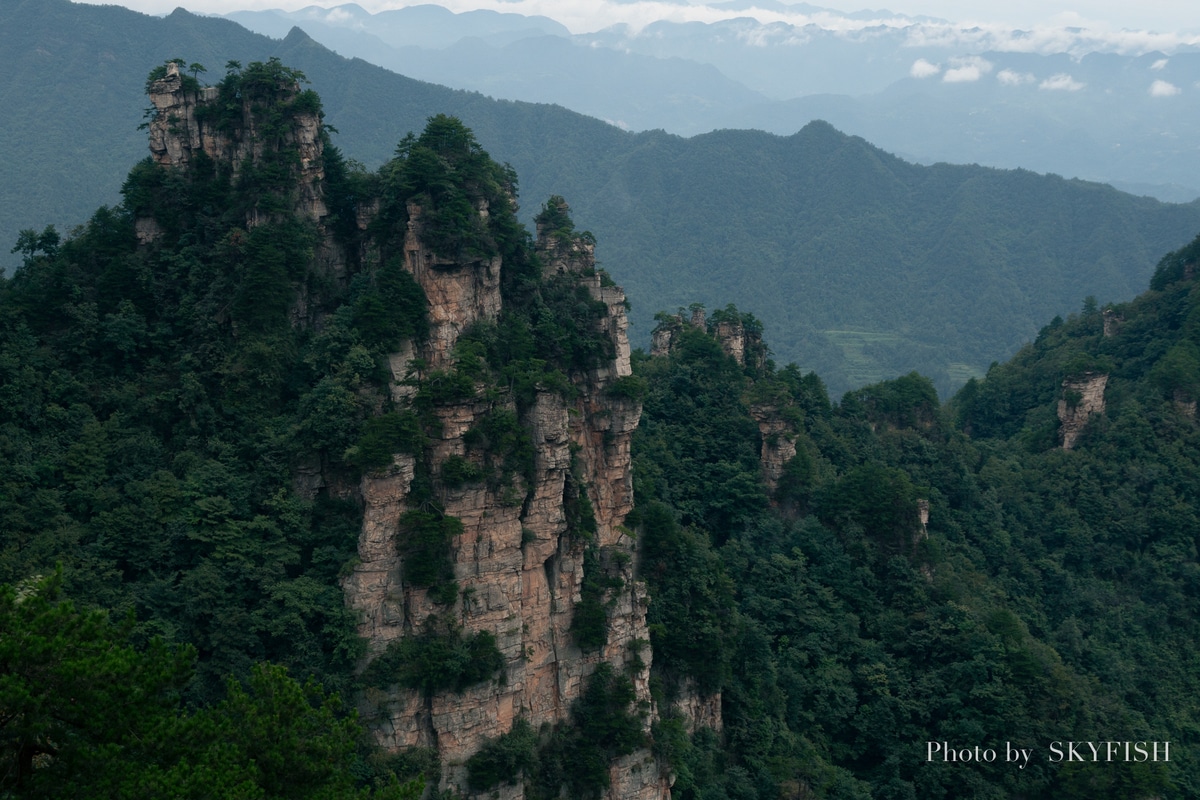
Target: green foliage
x=269 y=90
x=447 y=173
x=384 y=436
x=269 y=260
x=505 y=758
x=577 y=506
x=189 y=82
x=1176 y=266
x=505 y=445
x=156 y=403
x=441 y=387
x=30 y=243
x=457 y=470
x=424 y=542
x=555 y=218
x=1177 y=374
x=347 y=184
x=906 y=402
x=603 y=726
x=176 y=418
x=86 y=713
x=808 y=221
x=437 y=659
x=555 y=322
x=630 y=387
x=393 y=309
x=880 y=500
x=409 y=764
x=589 y=623
x=696 y=422
x=72 y=689
x=855 y=630
x=798 y=478
x=692 y=619
x=291 y=741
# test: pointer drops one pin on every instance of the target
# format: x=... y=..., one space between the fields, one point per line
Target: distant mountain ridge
x=915 y=86
x=861 y=265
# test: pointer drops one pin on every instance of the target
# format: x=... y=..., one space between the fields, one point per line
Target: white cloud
x=1163 y=89
x=977 y=28
x=1108 y=15
x=923 y=69
x=1009 y=77
x=1075 y=41
x=340 y=16
x=967 y=70
x=1162 y=62
x=1062 y=82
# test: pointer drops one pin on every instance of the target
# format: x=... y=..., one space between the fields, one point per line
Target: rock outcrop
x=274 y=130
x=564 y=252
x=745 y=346
x=1112 y=322
x=698 y=710
x=459 y=294
x=518 y=565
x=187 y=121
x=731 y=335
x=778 y=442
x=664 y=335
x=1083 y=397
x=1184 y=403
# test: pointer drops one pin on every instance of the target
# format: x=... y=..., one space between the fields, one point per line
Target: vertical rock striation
x=778 y=442
x=459 y=294
x=1083 y=396
x=188 y=121
x=517 y=563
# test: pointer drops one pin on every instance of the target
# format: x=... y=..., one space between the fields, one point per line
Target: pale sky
x=582 y=16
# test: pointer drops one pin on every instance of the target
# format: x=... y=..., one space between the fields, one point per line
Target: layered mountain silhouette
x=860 y=264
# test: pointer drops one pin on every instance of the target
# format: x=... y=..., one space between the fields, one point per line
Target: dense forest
x=1049 y=597
x=913 y=573
x=862 y=265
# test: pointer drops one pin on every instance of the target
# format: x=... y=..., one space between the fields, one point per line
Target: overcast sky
x=581 y=16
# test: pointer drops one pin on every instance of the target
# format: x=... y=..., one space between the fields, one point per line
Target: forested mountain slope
x=283 y=427
x=862 y=265
x=1017 y=569
x=273 y=408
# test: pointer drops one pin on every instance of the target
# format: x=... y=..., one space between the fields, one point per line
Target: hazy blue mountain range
x=514 y=57
x=1131 y=121
x=1124 y=118
x=861 y=265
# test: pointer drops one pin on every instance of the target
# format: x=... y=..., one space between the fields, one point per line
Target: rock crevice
x=518 y=563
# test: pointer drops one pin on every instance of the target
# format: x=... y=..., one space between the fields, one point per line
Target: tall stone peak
x=519 y=564
x=242 y=125
x=561 y=249
x=741 y=342
x=524 y=547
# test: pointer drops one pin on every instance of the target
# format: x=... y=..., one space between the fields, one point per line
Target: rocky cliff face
x=778 y=442
x=518 y=565
x=188 y=121
x=519 y=560
x=459 y=294
x=1083 y=396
